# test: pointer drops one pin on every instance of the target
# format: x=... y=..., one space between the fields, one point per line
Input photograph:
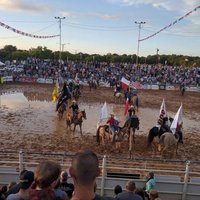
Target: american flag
x=136 y=85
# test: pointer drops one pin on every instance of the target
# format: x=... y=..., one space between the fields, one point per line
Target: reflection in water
x=32 y=115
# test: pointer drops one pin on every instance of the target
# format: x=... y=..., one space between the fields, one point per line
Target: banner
x=103 y=112
x=26 y=34
x=171 y=24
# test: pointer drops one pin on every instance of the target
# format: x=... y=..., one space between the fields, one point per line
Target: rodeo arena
x=141 y=121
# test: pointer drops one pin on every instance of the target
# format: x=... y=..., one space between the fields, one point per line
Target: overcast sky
x=103 y=26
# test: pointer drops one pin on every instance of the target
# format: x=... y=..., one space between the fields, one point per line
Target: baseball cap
x=26 y=180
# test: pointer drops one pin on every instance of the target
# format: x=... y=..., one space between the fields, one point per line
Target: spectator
x=11 y=184
x=59 y=193
x=15 y=189
x=150 y=183
x=153 y=194
x=25 y=182
x=129 y=193
x=46 y=176
x=64 y=185
x=84 y=170
x=117 y=190
x=3 y=191
x=140 y=192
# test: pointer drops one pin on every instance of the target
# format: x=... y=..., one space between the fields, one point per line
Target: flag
x=55 y=93
x=126 y=107
x=162 y=113
x=178 y=120
x=136 y=85
x=125 y=83
x=104 y=112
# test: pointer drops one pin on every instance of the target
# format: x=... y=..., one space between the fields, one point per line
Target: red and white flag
x=125 y=83
x=163 y=112
x=126 y=107
x=178 y=120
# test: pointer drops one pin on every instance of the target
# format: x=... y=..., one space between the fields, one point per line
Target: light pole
x=157 y=50
x=59 y=21
x=139 y=26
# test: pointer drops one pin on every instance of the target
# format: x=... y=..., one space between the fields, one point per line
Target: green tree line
x=10 y=52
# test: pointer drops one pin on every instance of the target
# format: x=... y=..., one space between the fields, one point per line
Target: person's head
x=140 y=192
x=85 y=168
x=130 y=186
x=153 y=194
x=74 y=101
x=117 y=189
x=151 y=175
x=26 y=180
x=46 y=174
x=63 y=176
x=112 y=115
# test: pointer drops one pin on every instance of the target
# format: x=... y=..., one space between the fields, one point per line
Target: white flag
x=104 y=112
x=163 y=109
x=178 y=120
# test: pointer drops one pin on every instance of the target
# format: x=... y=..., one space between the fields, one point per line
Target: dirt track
x=66 y=141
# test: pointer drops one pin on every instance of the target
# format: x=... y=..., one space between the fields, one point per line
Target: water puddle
x=18 y=115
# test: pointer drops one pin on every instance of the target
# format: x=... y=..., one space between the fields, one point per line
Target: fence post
x=21 y=161
x=103 y=175
x=186 y=180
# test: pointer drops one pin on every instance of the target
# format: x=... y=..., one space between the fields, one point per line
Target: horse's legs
x=80 y=125
x=74 y=127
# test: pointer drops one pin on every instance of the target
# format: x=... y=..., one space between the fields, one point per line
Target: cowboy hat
x=73 y=101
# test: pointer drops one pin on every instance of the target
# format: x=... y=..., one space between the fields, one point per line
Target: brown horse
x=61 y=111
x=78 y=120
x=104 y=136
x=135 y=101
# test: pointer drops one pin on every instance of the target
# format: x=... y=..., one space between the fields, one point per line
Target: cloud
x=103 y=16
x=170 y=5
x=20 y=5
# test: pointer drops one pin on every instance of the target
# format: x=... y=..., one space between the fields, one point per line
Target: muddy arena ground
x=32 y=123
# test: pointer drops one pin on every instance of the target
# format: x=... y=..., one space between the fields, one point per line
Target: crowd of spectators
x=47 y=182
x=103 y=72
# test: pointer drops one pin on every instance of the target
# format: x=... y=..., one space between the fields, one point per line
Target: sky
x=103 y=26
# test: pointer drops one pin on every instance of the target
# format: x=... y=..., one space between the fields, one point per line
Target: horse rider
x=117 y=89
x=113 y=125
x=65 y=95
x=74 y=108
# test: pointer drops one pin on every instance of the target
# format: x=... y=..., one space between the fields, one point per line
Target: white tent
x=1 y=64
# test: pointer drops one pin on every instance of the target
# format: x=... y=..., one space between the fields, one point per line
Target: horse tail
x=97 y=135
x=162 y=138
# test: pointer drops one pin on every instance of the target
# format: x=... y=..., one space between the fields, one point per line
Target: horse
x=157 y=132
x=92 y=84
x=76 y=93
x=182 y=88
x=132 y=124
x=78 y=120
x=104 y=136
x=134 y=100
x=118 y=97
x=169 y=141
x=61 y=110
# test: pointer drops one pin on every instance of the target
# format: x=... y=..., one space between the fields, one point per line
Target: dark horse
x=156 y=131
x=132 y=124
x=78 y=120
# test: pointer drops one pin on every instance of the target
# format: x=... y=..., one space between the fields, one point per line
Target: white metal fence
x=175 y=180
